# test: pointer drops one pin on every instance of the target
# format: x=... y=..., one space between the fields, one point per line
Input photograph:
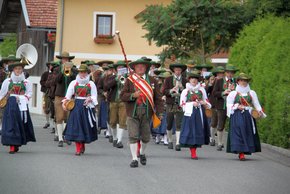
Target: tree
x=193 y=28
x=262 y=50
x=8 y=46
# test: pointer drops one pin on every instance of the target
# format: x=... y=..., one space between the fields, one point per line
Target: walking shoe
x=134 y=164
x=114 y=143
x=52 y=130
x=219 y=148
x=143 y=159
x=170 y=145
x=60 y=144
x=67 y=142
x=177 y=147
x=83 y=148
x=212 y=143
x=111 y=139
x=242 y=157
x=46 y=126
x=119 y=145
x=16 y=148
x=55 y=138
x=157 y=140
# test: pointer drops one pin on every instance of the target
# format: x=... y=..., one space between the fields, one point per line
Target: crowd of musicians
x=192 y=101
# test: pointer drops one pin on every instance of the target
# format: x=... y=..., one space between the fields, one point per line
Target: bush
x=262 y=50
x=8 y=46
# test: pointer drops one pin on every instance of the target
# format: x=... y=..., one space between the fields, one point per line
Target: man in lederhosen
x=221 y=90
x=117 y=115
x=62 y=81
x=173 y=87
x=50 y=85
x=140 y=93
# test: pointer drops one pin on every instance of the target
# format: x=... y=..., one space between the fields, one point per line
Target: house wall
x=78 y=33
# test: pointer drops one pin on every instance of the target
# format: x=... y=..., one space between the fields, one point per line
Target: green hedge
x=8 y=46
x=263 y=51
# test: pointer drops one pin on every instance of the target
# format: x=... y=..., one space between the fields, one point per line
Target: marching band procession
x=179 y=105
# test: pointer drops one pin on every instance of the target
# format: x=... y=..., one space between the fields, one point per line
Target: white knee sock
x=133 y=149
x=47 y=118
x=220 y=137
x=60 y=131
x=169 y=135
x=177 y=133
x=55 y=127
x=109 y=130
x=120 y=132
x=212 y=133
x=143 y=147
x=114 y=133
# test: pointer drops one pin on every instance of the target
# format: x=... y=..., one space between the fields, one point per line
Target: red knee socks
x=242 y=156
x=193 y=153
x=12 y=149
x=78 y=148
x=138 y=147
x=83 y=148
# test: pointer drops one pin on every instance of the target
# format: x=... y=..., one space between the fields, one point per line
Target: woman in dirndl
x=17 y=127
x=195 y=128
x=243 y=137
x=160 y=132
x=81 y=125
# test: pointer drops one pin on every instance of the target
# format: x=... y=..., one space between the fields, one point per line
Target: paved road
x=42 y=167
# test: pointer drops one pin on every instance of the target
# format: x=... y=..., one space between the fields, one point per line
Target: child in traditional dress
x=195 y=128
x=81 y=126
x=243 y=137
x=17 y=127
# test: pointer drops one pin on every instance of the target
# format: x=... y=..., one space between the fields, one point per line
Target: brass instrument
x=28 y=55
x=67 y=70
x=122 y=80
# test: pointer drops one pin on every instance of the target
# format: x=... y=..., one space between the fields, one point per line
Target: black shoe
x=52 y=130
x=143 y=159
x=170 y=145
x=119 y=145
x=219 y=148
x=177 y=147
x=115 y=143
x=60 y=144
x=67 y=142
x=111 y=139
x=55 y=138
x=46 y=126
x=134 y=164
x=212 y=143
x=223 y=146
x=78 y=153
x=16 y=148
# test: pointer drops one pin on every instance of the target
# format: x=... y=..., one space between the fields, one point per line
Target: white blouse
x=231 y=107
x=94 y=95
x=23 y=99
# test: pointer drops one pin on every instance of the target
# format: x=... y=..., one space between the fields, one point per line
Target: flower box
x=104 y=39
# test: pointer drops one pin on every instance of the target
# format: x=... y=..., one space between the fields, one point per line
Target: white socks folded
x=60 y=131
x=220 y=137
x=143 y=147
x=120 y=132
x=177 y=133
x=133 y=149
x=169 y=135
x=212 y=133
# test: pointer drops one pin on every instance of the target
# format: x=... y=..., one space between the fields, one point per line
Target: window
x=104 y=24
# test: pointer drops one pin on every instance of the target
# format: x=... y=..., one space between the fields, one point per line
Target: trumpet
x=67 y=70
x=122 y=80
